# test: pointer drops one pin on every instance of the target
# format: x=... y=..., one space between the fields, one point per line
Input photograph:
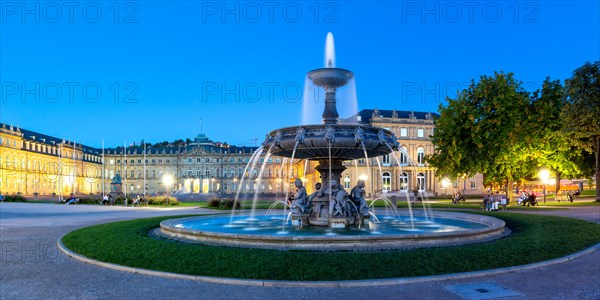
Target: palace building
x=405 y=170
x=36 y=164
x=32 y=163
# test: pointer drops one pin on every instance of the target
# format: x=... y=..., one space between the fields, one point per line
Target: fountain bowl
x=315 y=141
x=330 y=77
x=371 y=238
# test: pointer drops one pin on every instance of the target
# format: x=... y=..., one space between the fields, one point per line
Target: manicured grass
x=585 y=202
x=588 y=193
x=533 y=239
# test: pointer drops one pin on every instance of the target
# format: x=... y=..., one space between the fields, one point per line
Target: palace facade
x=36 y=164
x=32 y=163
x=405 y=170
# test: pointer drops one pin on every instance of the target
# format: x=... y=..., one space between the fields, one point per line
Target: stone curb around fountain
x=326 y=284
x=495 y=229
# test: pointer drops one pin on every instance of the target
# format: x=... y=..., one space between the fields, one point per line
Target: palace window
x=421 y=182
x=385 y=160
x=403 y=156
x=347 y=182
x=403 y=182
x=403 y=132
x=420 y=133
x=386 y=180
x=420 y=156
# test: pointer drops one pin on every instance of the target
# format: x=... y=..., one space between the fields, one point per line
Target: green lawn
x=534 y=239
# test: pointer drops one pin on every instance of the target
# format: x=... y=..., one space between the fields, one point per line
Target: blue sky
x=163 y=66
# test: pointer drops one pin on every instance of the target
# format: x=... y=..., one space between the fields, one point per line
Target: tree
x=550 y=146
x=582 y=112
x=483 y=130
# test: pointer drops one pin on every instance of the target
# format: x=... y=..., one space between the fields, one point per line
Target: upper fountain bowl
x=330 y=77
x=336 y=141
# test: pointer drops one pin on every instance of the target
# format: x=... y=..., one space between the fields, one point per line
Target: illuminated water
x=271 y=226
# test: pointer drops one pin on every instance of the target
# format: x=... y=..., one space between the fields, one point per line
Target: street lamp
x=167 y=180
x=544 y=176
x=445 y=183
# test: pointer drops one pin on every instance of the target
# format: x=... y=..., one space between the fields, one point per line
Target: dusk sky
x=93 y=71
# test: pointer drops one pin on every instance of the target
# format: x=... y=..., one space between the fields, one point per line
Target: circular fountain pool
x=437 y=229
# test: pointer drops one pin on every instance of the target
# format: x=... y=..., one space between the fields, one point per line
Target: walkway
x=32 y=267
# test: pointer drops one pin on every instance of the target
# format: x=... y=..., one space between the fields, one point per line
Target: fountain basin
x=447 y=229
x=330 y=77
x=315 y=141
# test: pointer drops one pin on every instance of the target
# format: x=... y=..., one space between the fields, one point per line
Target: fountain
x=330 y=218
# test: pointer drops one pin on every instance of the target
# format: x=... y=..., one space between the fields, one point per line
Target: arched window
x=386 y=179
x=421 y=182
x=403 y=182
x=420 y=156
x=347 y=182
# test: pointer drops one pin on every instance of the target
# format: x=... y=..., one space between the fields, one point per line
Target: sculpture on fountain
x=299 y=204
x=357 y=195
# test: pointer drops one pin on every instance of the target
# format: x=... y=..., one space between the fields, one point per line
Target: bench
x=564 y=196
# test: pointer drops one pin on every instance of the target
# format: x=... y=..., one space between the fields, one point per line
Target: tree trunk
x=557 y=185
x=597 y=153
x=509 y=189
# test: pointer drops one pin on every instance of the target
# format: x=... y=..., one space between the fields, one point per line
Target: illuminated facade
x=202 y=167
x=35 y=163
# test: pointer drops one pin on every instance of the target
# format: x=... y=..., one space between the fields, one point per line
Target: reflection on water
x=272 y=226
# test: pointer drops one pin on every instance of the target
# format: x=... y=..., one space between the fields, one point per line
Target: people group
x=494 y=202
x=527 y=198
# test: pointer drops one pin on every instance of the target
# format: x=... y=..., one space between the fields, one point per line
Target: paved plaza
x=32 y=267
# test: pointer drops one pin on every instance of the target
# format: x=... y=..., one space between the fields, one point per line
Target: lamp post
x=445 y=183
x=544 y=176
x=167 y=181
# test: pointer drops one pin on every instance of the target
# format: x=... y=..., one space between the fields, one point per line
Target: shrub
x=14 y=198
x=214 y=202
x=223 y=203
x=89 y=201
x=160 y=200
x=228 y=203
